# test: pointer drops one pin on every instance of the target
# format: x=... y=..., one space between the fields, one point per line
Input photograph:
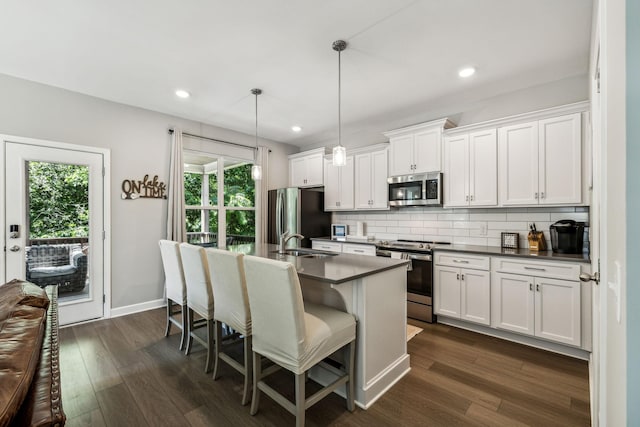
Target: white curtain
x=176 y=224
x=262 y=204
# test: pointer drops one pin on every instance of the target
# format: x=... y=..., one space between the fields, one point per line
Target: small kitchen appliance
x=567 y=236
x=339 y=232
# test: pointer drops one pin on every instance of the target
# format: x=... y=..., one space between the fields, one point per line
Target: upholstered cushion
x=286 y=331
x=196 y=276
x=23 y=311
x=229 y=289
x=38 y=272
x=173 y=273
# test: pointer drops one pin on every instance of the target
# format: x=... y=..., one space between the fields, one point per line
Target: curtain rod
x=216 y=140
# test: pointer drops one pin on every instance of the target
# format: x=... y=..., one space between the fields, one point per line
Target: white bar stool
x=231 y=304
x=294 y=335
x=175 y=287
x=199 y=298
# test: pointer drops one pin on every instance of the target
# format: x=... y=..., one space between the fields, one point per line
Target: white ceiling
x=402 y=55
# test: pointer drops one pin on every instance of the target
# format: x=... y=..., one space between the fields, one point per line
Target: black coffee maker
x=567 y=236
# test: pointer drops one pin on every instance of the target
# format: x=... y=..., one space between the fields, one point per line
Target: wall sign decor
x=144 y=189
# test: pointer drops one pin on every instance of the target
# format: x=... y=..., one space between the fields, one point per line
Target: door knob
x=14 y=248
x=586 y=277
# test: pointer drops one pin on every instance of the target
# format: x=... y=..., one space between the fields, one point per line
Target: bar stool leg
x=189 y=327
x=300 y=399
x=257 y=372
x=218 y=347
x=185 y=321
x=168 y=330
x=210 y=345
x=350 y=384
x=247 y=369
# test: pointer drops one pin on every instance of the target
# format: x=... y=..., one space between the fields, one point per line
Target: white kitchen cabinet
x=416 y=149
x=447 y=291
x=306 y=168
x=462 y=292
x=470 y=169
x=371 y=188
x=325 y=245
x=356 y=249
x=540 y=162
x=542 y=307
x=338 y=185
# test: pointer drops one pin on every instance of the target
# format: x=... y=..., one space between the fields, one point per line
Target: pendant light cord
x=339 y=99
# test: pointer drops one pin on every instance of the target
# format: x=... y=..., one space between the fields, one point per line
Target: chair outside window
x=199 y=298
x=294 y=335
x=175 y=287
x=231 y=307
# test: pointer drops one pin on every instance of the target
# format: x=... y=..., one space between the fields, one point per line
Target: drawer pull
x=535 y=268
x=358 y=250
x=461 y=261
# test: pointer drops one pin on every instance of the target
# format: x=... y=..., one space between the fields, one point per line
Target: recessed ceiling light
x=467 y=72
x=296 y=128
x=182 y=93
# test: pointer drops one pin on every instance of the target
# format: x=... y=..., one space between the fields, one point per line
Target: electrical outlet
x=483 y=229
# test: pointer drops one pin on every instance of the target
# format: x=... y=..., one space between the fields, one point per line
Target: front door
x=54 y=222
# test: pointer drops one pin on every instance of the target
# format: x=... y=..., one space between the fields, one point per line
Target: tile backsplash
x=459 y=226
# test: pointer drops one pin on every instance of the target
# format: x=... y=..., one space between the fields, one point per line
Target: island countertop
x=337 y=268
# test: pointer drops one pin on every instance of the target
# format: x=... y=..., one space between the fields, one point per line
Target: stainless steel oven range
x=419 y=274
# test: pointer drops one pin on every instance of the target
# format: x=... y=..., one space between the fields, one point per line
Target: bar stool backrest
x=173 y=273
x=277 y=310
x=231 y=302
x=196 y=275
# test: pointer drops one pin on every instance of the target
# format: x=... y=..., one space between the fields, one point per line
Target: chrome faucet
x=285 y=237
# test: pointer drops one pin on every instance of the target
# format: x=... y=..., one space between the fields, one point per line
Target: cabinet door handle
x=462 y=276
x=535 y=268
x=535 y=196
x=458 y=276
x=472 y=198
x=466 y=198
x=461 y=261
x=538 y=287
x=530 y=286
x=542 y=195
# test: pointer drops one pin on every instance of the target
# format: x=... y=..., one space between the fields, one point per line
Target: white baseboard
x=137 y=308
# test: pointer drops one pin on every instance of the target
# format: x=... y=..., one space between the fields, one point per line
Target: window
x=207 y=221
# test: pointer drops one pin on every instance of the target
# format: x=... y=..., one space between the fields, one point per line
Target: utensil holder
x=537 y=241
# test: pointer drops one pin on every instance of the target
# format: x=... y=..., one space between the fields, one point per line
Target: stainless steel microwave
x=416 y=190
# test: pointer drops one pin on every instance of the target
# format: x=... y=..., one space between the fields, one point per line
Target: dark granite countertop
x=522 y=253
x=338 y=268
x=350 y=239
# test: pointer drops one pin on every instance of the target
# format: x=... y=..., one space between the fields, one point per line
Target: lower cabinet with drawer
x=540 y=302
x=347 y=248
x=325 y=245
x=463 y=292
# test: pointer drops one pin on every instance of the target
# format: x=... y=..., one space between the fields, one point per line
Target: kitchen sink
x=304 y=253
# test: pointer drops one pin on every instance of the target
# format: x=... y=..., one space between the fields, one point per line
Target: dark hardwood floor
x=123 y=372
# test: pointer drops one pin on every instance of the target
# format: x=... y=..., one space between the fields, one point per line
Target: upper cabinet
x=338 y=185
x=471 y=169
x=371 y=188
x=416 y=149
x=540 y=162
x=306 y=168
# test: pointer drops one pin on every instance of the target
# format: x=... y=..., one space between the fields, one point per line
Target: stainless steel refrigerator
x=297 y=210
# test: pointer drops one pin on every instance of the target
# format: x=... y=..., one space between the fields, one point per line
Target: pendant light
x=256 y=169
x=339 y=152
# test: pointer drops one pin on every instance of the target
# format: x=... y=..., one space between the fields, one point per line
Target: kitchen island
x=373 y=289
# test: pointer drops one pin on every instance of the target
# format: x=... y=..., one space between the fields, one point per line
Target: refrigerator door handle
x=279 y=214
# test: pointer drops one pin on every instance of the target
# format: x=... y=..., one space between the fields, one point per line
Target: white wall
x=458 y=226
x=139 y=144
